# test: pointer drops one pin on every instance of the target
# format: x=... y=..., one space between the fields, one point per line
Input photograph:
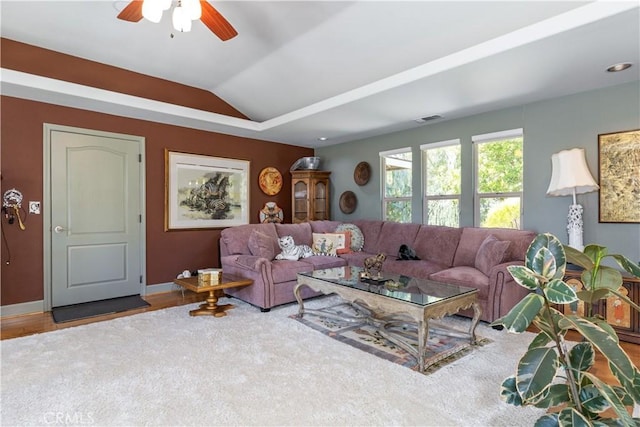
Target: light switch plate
x=34 y=208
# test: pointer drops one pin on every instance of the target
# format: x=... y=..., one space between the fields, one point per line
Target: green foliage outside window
x=500 y=166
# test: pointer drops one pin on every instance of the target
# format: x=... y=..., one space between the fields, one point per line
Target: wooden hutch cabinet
x=624 y=319
x=310 y=195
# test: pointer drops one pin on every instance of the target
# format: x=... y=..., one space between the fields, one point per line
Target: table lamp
x=570 y=176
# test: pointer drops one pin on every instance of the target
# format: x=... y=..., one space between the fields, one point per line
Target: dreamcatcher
x=11 y=204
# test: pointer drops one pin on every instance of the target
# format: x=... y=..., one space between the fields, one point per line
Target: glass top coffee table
x=400 y=307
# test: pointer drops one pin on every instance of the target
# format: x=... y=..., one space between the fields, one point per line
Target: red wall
x=168 y=253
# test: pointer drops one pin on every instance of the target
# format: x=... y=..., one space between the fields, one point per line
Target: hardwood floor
x=28 y=324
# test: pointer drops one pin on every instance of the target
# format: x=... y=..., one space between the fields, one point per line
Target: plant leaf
x=521 y=315
x=524 y=277
x=548 y=420
x=555 y=395
x=631 y=386
x=592 y=296
x=509 y=392
x=606 y=343
x=571 y=417
x=553 y=245
x=536 y=370
x=581 y=356
x=558 y=292
x=595 y=252
x=605 y=278
x=540 y=340
x=544 y=263
x=608 y=393
x=627 y=264
x=578 y=258
x=592 y=400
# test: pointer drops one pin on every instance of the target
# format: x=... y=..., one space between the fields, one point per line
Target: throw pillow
x=263 y=246
x=346 y=249
x=327 y=243
x=357 y=238
x=491 y=253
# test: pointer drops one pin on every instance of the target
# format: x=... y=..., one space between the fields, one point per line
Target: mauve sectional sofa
x=469 y=256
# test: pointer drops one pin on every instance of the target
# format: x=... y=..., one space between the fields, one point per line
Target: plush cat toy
x=291 y=251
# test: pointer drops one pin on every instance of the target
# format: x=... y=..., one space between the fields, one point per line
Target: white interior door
x=95 y=215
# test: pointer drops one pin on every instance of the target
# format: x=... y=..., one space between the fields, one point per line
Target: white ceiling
x=341 y=70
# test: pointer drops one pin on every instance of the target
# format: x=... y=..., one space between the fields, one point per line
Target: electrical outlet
x=34 y=208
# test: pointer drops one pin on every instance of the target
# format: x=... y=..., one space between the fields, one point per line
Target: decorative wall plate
x=348 y=202
x=271 y=213
x=270 y=181
x=362 y=173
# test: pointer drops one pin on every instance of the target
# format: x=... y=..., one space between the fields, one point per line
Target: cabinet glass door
x=320 y=201
x=300 y=201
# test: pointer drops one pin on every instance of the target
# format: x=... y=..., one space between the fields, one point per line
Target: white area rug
x=247 y=369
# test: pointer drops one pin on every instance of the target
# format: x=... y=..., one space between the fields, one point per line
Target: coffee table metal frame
x=401 y=322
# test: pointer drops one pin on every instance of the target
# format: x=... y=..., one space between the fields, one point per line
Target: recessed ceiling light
x=619 y=67
x=322 y=138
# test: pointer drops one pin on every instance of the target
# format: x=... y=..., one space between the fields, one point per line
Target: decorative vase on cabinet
x=310 y=195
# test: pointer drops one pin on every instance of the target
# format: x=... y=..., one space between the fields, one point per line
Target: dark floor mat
x=68 y=313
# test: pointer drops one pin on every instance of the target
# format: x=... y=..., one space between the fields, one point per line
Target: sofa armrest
x=506 y=292
x=248 y=262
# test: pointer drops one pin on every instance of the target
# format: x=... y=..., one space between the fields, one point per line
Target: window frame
x=477 y=197
x=384 y=155
x=424 y=148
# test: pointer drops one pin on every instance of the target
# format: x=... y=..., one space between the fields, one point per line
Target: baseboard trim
x=160 y=288
x=38 y=306
x=22 y=308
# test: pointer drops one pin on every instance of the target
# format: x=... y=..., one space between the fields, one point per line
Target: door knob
x=59 y=229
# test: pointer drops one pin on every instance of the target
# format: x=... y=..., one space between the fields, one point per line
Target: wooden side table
x=211 y=308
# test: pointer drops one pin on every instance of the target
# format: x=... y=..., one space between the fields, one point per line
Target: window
x=396 y=185
x=442 y=166
x=498 y=183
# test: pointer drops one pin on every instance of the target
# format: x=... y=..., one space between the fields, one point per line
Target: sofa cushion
x=357 y=237
x=371 y=231
x=437 y=243
x=324 y=226
x=322 y=262
x=470 y=277
x=420 y=269
x=301 y=233
x=236 y=239
x=286 y=270
x=327 y=243
x=263 y=245
x=393 y=235
x=491 y=253
x=472 y=238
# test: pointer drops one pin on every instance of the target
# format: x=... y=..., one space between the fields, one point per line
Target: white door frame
x=46 y=198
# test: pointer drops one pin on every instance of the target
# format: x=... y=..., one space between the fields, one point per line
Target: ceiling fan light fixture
x=165 y=4
x=181 y=21
x=152 y=10
x=193 y=9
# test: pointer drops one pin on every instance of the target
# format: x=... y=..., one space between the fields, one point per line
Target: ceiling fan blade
x=216 y=22
x=131 y=12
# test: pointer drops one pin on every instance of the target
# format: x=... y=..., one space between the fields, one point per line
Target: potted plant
x=553 y=373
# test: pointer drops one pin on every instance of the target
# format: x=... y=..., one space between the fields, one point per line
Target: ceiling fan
x=136 y=10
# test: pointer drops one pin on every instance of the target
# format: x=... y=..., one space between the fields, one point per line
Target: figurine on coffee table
x=373 y=264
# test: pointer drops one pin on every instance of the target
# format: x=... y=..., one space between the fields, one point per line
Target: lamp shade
x=570 y=174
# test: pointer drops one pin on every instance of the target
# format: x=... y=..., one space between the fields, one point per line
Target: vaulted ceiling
x=335 y=69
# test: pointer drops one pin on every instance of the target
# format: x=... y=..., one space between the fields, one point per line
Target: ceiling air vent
x=428 y=118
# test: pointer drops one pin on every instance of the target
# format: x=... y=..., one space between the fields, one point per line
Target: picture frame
x=619 y=176
x=205 y=192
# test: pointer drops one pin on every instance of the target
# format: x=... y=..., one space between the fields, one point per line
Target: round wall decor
x=270 y=181
x=348 y=202
x=362 y=173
